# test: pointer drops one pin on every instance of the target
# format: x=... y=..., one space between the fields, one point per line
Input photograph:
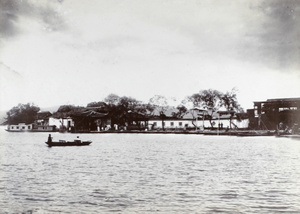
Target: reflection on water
x=132 y=173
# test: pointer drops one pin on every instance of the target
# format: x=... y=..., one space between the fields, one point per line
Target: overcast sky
x=55 y=52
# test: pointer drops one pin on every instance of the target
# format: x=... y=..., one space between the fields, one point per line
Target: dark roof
x=137 y=116
x=89 y=113
x=281 y=102
x=97 y=105
x=168 y=112
x=225 y=112
x=43 y=115
x=284 y=100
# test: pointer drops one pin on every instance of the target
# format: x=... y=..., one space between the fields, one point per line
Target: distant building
x=88 y=120
x=21 y=127
x=197 y=119
x=42 y=123
x=64 y=124
x=170 y=123
x=135 y=121
x=272 y=113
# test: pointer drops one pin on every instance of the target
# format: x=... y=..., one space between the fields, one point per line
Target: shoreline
x=210 y=132
x=239 y=133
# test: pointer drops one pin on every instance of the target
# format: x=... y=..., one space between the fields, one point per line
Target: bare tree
x=210 y=99
x=230 y=103
x=112 y=99
x=161 y=104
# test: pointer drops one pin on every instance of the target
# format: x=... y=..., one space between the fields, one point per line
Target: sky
x=58 y=52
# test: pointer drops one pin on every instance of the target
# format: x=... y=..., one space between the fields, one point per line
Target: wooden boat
x=255 y=134
x=76 y=142
x=292 y=136
x=296 y=137
x=68 y=143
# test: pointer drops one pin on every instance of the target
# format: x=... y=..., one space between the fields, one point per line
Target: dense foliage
x=65 y=111
x=23 y=113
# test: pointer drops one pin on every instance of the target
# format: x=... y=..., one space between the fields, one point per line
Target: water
x=137 y=173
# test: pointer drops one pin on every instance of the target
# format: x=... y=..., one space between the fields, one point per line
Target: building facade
x=21 y=127
x=272 y=114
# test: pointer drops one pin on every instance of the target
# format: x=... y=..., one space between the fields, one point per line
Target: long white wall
x=180 y=124
x=20 y=127
x=175 y=124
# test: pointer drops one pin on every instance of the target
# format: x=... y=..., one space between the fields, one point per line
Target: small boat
x=69 y=143
x=76 y=142
x=255 y=134
x=292 y=136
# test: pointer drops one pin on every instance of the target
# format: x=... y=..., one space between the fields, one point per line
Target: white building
x=170 y=124
x=21 y=127
x=61 y=123
x=194 y=120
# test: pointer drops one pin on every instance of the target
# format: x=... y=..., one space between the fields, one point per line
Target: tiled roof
x=43 y=115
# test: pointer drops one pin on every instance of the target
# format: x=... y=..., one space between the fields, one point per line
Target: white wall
x=243 y=123
x=226 y=123
x=20 y=127
x=178 y=124
x=199 y=123
x=58 y=122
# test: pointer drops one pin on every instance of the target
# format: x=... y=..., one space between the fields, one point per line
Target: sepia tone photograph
x=153 y=106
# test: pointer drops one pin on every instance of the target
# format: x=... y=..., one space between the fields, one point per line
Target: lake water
x=139 y=173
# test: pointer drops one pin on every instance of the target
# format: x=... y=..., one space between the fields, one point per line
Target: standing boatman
x=49 y=138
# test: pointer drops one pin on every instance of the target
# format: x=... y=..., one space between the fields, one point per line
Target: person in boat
x=78 y=139
x=49 y=138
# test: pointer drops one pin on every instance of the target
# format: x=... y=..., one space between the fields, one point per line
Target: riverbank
x=241 y=133
x=205 y=132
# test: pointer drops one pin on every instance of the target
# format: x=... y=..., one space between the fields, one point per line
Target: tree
x=195 y=99
x=128 y=107
x=112 y=99
x=134 y=111
x=100 y=107
x=129 y=103
x=161 y=104
x=121 y=109
x=23 y=113
x=65 y=111
x=181 y=110
x=210 y=99
x=230 y=103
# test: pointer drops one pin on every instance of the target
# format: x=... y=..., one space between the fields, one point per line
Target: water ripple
x=149 y=174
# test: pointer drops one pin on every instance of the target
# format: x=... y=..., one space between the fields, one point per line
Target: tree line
x=118 y=107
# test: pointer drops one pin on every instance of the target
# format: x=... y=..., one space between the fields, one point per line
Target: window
x=17 y=127
x=154 y=123
x=23 y=127
x=28 y=127
x=12 y=127
x=172 y=123
x=180 y=123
